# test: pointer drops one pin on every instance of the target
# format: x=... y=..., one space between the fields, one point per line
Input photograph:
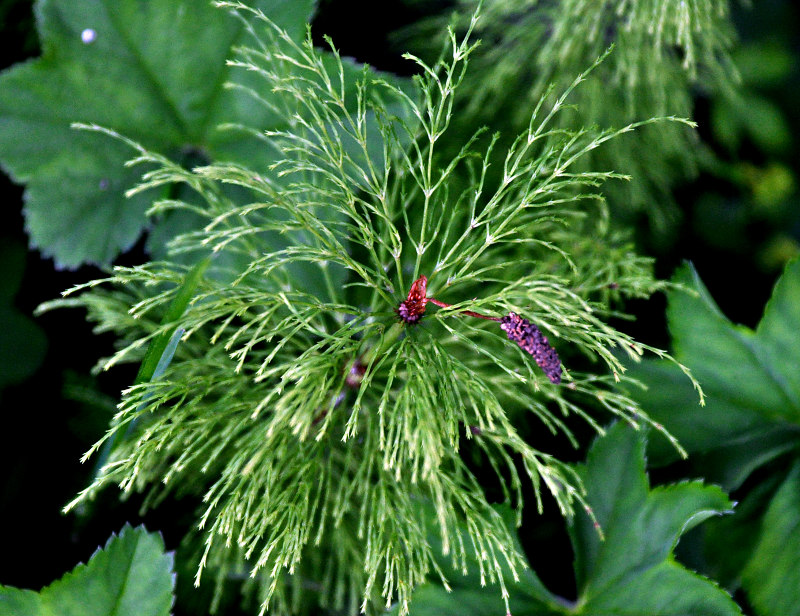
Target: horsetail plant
x=316 y=422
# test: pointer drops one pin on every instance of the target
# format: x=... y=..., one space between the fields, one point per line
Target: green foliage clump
x=632 y=570
x=317 y=426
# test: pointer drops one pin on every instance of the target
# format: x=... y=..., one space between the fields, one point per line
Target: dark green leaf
x=752 y=417
x=772 y=577
x=12 y=266
x=22 y=346
x=729 y=541
x=130 y=576
x=752 y=414
x=169 y=352
x=22 y=341
x=727 y=443
x=152 y=71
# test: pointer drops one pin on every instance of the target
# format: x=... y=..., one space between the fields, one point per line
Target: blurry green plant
x=755 y=134
x=286 y=392
x=22 y=341
x=751 y=115
x=747 y=437
x=664 y=53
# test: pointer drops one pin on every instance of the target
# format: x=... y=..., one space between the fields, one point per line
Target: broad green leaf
x=751 y=380
x=632 y=569
x=153 y=71
x=130 y=576
x=772 y=576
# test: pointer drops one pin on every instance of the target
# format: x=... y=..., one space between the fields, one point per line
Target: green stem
x=369 y=356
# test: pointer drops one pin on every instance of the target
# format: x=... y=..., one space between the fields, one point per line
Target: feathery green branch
x=309 y=418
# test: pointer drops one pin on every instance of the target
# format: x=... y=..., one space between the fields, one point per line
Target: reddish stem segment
x=468 y=313
x=412 y=308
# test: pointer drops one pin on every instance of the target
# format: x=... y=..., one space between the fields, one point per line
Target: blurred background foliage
x=734 y=211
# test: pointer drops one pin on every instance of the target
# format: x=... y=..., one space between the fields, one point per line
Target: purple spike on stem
x=531 y=340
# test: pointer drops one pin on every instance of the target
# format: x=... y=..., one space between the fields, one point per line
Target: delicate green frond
x=311 y=420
